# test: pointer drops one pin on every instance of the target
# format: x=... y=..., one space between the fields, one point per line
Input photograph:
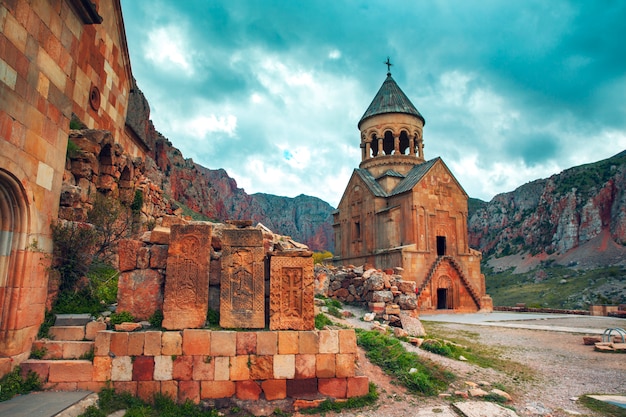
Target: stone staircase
x=70 y=348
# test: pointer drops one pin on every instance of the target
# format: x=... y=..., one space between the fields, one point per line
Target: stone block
x=262 y=367
x=127 y=327
x=160 y=235
x=76 y=350
x=143 y=368
x=41 y=368
x=291 y=292
x=140 y=293
x=328 y=341
x=171 y=343
x=182 y=368
x=266 y=343
x=240 y=368
x=127 y=254
x=392 y=309
x=246 y=343
x=136 y=343
x=288 y=342
x=92 y=328
x=284 y=366
x=169 y=388
x=222 y=368
x=121 y=368
x=187 y=286
x=325 y=365
x=143 y=258
x=70 y=371
x=305 y=366
x=302 y=388
x=67 y=332
x=333 y=387
x=242 y=289
x=223 y=343
x=103 y=343
x=345 y=365
x=72 y=319
x=196 y=342
x=217 y=389
x=163 y=368
x=382 y=297
x=347 y=341
x=101 y=368
x=125 y=386
x=274 y=389
x=146 y=390
x=308 y=342
x=188 y=391
x=412 y=325
x=407 y=287
x=158 y=256
x=203 y=368
x=119 y=343
x=375 y=307
x=247 y=390
x=152 y=344
x=357 y=386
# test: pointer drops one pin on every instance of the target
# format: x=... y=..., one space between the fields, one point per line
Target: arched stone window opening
x=14 y=220
x=404 y=143
x=106 y=182
x=374 y=145
x=388 y=143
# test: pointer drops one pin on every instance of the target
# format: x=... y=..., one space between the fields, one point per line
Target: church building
x=401 y=210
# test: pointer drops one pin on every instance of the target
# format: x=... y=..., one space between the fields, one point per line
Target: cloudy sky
x=272 y=91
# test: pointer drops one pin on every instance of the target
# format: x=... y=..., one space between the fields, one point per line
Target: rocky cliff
x=215 y=195
x=577 y=217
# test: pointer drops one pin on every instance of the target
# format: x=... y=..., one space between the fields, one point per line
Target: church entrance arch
x=13 y=235
x=445 y=293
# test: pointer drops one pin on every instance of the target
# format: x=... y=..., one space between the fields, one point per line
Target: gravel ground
x=556 y=368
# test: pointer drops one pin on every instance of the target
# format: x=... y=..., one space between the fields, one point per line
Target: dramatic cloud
x=272 y=91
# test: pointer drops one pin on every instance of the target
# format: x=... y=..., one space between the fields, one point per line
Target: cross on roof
x=389 y=64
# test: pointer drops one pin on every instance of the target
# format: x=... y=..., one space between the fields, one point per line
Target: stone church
x=401 y=210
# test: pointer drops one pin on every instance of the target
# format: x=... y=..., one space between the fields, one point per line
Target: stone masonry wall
x=199 y=364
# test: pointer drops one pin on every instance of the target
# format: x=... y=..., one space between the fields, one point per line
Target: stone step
x=57 y=371
x=67 y=332
x=72 y=319
x=63 y=349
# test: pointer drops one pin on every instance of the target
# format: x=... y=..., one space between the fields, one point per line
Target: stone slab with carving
x=242 y=288
x=187 y=279
x=292 y=291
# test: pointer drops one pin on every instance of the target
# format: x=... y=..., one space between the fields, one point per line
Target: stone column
x=396 y=145
x=368 y=149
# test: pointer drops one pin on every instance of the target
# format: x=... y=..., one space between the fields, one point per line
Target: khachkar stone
x=242 y=289
x=186 y=298
x=291 y=291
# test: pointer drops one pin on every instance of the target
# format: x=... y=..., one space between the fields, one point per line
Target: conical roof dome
x=390 y=99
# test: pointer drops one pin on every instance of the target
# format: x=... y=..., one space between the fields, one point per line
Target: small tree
x=112 y=221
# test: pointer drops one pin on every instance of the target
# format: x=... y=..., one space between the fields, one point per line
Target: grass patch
x=13 y=384
x=464 y=343
x=110 y=401
x=357 y=402
x=389 y=353
x=605 y=409
x=321 y=321
x=122 y=317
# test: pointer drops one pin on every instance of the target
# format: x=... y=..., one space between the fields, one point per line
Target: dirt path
x=554 y=368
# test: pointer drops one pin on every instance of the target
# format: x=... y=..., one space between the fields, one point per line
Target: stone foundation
x=198 y=364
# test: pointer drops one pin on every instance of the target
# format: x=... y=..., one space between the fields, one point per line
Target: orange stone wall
x=50 y=61
x=197 y=364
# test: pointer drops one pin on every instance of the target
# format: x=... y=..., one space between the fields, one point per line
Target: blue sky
x=272 y=91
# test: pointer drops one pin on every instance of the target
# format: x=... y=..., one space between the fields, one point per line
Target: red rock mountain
x=215 y=195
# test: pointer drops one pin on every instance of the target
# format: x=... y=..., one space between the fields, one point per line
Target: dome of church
x=390 y=99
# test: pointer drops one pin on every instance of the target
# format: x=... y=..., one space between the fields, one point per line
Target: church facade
x=401 y=210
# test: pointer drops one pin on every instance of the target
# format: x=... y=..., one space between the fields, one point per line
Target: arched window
x=404 y=143
x=388 y=144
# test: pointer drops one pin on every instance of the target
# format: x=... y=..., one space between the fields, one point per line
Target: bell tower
x=391 y=131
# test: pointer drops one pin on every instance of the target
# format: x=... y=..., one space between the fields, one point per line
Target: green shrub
x=334 y=311
x=73 y=150
x=75 y=302
x=322 y=321
x=319 y=257
x=122 y=317
x=44 y=329
x=103 y=280
x=13 y=384
x=213 y=317
x=156 y=319
x=389 y=353
x=38 y=353
x=438 y=347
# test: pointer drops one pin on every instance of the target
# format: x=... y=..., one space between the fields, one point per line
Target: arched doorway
x=14 y=231
x=445 y=293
